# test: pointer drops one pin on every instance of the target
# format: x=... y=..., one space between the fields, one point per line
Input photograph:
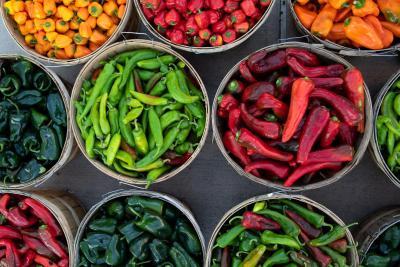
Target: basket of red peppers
x=203 y=26
x=281 y=230
x=293 y=116
x=37 y=229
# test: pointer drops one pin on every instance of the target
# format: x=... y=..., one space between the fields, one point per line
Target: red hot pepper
x=334 y=70
x=219 y=27
x=238 y=16
x=330 y=132
x=284 y=86
x=318 y=255
x=226 y=103
x=151 y=4
x=37 y=245
x=181 y=5
x=304 y=56
x=45 y=262
x=354 y=87
x=63 y=263
x=229 y=36
x=272 y=62
x=29 y=257
x=246 y=73
x=309 y=168
x=9 y=233
x=172 y=17
x=17 y=218
x=198 y=42
x=51 y=242
x=12 y=255
x=177 y=36
x=327 y=82
x=305 y=226
x=266 y=129
x=148 y=13
x=231 y=5
x=347 y=134
x=256 y=57
x=235 y=86
x=266 y=101
x=255 y=90
x=249 y=8
x=347 y=111
x=216 y=4
x=275 y=168
x=216 y=40
x=159 y=20
x=191 y=26
x=253 y=221
x=213 y=15
x=242 y=27
x=234 y=120
x=250 y=141
x=202 y=20
x=340 y=245
x=195 y=6
x=312 y=129
x=43 y=214
x=301 y=90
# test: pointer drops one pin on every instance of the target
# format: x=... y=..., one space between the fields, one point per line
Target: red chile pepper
x=354 y=87
x=9 y=233
x=138 y=83
x=275 y=168
x=226 y=257
x=250 y=141
x=309 y=168
x=191 y=26
x=267 y=129
x=219 y=27
x=265 y=3
x=330 y=132
x=284 y=86
x=347 y=111
x=177 y=160
x=238 y=16
x=213 y=15
x=249 y=8
x=17 y=218
x=51 y=242
x=216 y=40
x=160 y=8
x=43 y=214
x=28 y=258
x=347 y=134
x=172 y=17
x=181 y=5
x=256 y=112
x=335 y=154
x=246 y=73
x=159 y=20
x=194 y=6
x=12 y=255
x=202 y=20
x=304 y=56
x=216 y=4
x=253 y=221
x=234 y=120
x=334 y=70
x=45 y=262
x=37 y=245
x=305 y=226
x=301 y=90
x=229 y=36
x=318 y=255
x=272 y=62
x=312 y=129
x=198 y=42
x=63 y=263
x=256 y=57
x=226 y=103
x=152 y=4
x=148 y=13
x=177 y=36
x=255 y=90
x=266 y=101
x=236 y=87
x=231 y=5
x=340 y=245
x=328 y=83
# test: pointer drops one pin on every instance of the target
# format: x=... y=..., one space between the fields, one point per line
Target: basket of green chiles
x=139 y=228
x=35 y=140
x=141 y=112
x=281 y=230
x=385 y=143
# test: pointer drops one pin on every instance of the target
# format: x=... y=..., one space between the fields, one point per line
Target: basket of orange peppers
x=356 y=24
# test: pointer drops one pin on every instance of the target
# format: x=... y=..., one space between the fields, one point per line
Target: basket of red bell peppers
x=203 y=26
x=292 y=116
x=37 y=229
x=281 y=230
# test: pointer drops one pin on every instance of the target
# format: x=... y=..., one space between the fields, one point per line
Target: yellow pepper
x=362 y=8
x=65 y=13
x=82 y=3
x=79 y=39
x=49 y=7
x=8 y=5
x=85 y=30
x=83 y=13
x=323 y=23
x=51 y=36
x=104 y=21
x=62 y=41
x=95 y=9
x=110 y=8
x=38 y=12
x=62 y=26
x=49 y=25
x=20 y=17
x=338 y=4
x=30 y=40
x=111 y=30
x=74 y=23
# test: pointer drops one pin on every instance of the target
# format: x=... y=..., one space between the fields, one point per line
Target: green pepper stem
x=234 y=218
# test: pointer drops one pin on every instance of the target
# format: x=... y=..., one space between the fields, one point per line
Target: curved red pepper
x=63 y=263
x=272 y=62
x=301 y=90
x=29 y=258
x=246 y=73
x=312 y=129
x=304 y=169
x=335 y=154
x=334 y=70
x=266 y=101
x=318 y=255
x=250 y=141
x=51 y=242
x=306 y=57
x=226 y=103
x=347 y=111
x=254 y=221
x=37 y=245
x=256 y=57
x=234 y=120
x=256 y=112
x=266 y=129
x=12 y=254
x=45 y=262
x=9 y=233
x=340 y=245
x=332 y=82
x=175 y=159
x=347 y=134
x=255 y=90
x=330 y=132
x=14 y=215
x=305 y=226
x=275 y=168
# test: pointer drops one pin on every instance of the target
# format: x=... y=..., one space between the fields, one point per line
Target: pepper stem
x=235 y=218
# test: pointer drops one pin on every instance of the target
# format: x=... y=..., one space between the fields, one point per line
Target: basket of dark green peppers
x=139 y=228
x=281 y=230
x=141 y=112
x=385 y=143
x=35 y=140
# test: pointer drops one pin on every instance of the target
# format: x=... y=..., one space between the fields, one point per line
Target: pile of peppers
x=388 y=128
x=286 y=116
x=29 y=234
x=280 y=232
x=367 y=24
x=140 y=231
x=33 y=121
x=141 y=114
x=384 y=252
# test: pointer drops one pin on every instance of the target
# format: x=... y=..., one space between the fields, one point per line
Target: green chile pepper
x=159 y=88
x=113 y=119
x=139 y=247
x=95 y=118
x=248 y=241
x=184 y=148
x=145 y=75
x=195 y=108
x=41 y=81
x=154 y=174
x=154 y=224
x=23 y=69
x=149 y=99
x=338 y=232
x=30 y=171
x=129 y=231
x=113 y=148
x=102 y=143
x=170 y=117
x=103 y=121
x=236 y=262
x=396 y=104
x=125 y=157
x=126 y=129
x=180 y=257
x=105 y=225
x=154 y=165
x=50 y=148
x=335 y=256
x=200 y=126
x=98 y=240
x=115 y=93
x=135 y=112
x=156 y=128
x=20 y=150
x=108 y=85
x=254 y=257
x=228 y=237
x=143 y=203
x=188 y=237
x=4 y=113
x=10 y=85
x=17 y=125
x=171 y=214
x=153 y=81
x=116 y=251
x=28 y=98
x=279 y=257
x=117 y=166
x=373 y=260
x=382 y=135
x=302 y=259
x=175 y=91
x=158 y=251
x=271 y=238
x=115 y=209
x=390 y=142
x=56 y=109
x=156 y=63
x=38 y=118
x=387 y=109
x=183 y=135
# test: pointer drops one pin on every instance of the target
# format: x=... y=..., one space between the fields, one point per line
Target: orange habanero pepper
x=386 y=36
x=98 y=37
x=82 y=3
x=49 y=7
x=104 y=21
x=323 y=23
x=83 y=13
x=29 y=9
x=121 y=11
x=70 y=50
x=20 y=17
x=110 y=8
x=305 y=16
x=85 y=30
x=360 y=32
x=62 y=26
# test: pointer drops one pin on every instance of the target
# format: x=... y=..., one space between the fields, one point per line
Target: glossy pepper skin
x=306 y=57
x=266 y=101
x=334 y=70
x=269 y=237
x=263 y=128
x=271 y=62
x=226 y=103
x=255 y=90
x=246 y=73
x=342 y=153
x=154 y=224
x=257 y=222
x=275 y=168
x=330 y=132
x=323 y=259
x=305 y=226
x=302 y=170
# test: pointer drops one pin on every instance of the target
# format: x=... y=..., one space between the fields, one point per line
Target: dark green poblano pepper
x=116 y=251
x=10 y=85
x=5 y=109
x=392 y=236
x=180 y=257
x=158 y=251
x=50 y=147
x=105 y=225
x=171 y=214
x=188 y=237
x=4 y=143
x=41 y=81
x=56 y=109
x=8 y=159
x=30 y=171
x=28 y=98
x=155 y=225
x=20 y=149
x=18 y=122
x=98 y=240
x=38 y=118
x=139 y=247
x=373 y=260
x=30 y=142
x=60 y=132
x=141 y=203
x=23 y=69
x=91 y=253
x=115 y=209
x=129 y=231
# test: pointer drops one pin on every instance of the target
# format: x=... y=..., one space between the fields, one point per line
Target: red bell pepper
x=253 y=221
x=205 y=34
x=265 y=3
x=43 y=214
x=195 y=6
x=177 y=36
x=347 y=134
x=172 y=17
x=235 y=86
x=238 y=16
x=219 y=27
x=231 y=5
x=246 y=73
x=45 y=262
x=250 y=141
x=249 y=8
x=335 y=154
x=159 y=20
x=284 y=86
x=19 y=219
x=148 y=13
x=266 y=129
x=51 y=242
x=266 y=101
x=255 y=90
x=330 y=132
x=37 y=246
x=29 y=258
x=213 y=15
x=305 y=226
x=334 y=70
x=309 y=168
x=198 y=42
x=216 y=40
x=340 y=245
x=318 y=255
x=202 y=20
x=191 y=27
x=234 y=120
x=275 y=168
x=327 y=82
x=272 y=62
x=304 y=56
x=242 y=27
x=354 y=87
x=229 y=36
x=301 y=90
x=9 y=233
x=347 y=111
x=312 y=129
x=226 y=103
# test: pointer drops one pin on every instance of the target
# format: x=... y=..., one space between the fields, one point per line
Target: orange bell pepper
x=70 y=50
x=386 y=36
x=85 y=30
x=18 y=5
x=70 y=34
x=81 y=51
x=392 y=27
x=30 y=40
x=23 y=30
x=337 y=32
x=60 y=54
x=8 y=6
x=362 y=8
x=74 y=23
x=49 y=25
x=29 y=9
x=41 y=37
x=360 y=32
x=342 y=14
x=390 y=9
x=30 y=26
x=49 y=7
x=121 y=11
x=83 y=13
x=338 y=4
x=111 y=30
x=305 y=16
x=51 y=36
x=82 y=3
x=110 y=8
x=65 y=13
x=42 y=49
x=323 y=23
x=20 y=17
x=38 y=12
x=79 y=39
x=95 y=9
x=92 y=22
x=104 y=21
x=98 y=38
x=93 y=46
x=62 y=26
x=62 y=41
